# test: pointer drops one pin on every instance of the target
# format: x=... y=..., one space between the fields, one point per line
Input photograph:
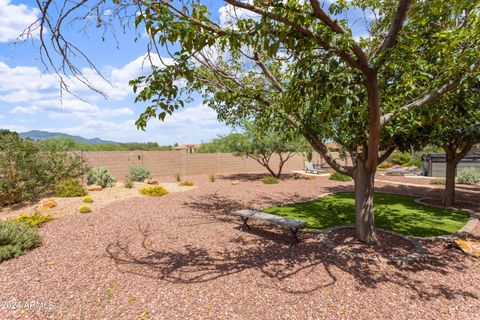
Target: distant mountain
x=41 y=135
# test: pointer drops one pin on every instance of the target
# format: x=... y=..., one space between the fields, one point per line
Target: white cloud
x=33 y=92
x=198 y=116
x=24 y=110
x=28 y=94
x=14 y=19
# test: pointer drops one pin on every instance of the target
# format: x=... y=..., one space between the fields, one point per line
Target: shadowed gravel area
x=181 y=256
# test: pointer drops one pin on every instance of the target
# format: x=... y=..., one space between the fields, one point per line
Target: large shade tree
x=298 y=61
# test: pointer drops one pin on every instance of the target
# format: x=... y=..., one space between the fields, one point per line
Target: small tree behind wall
x=260 y=144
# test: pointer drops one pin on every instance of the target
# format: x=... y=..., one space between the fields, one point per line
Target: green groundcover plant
x=16 y=239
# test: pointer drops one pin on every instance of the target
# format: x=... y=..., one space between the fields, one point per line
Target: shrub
x=28 y=171
x=415 y=162
x=385 y=165
x=186 y=184
x=16 y=239
x=102 y=177
x=437 y=181
x=128 y=183
x=270 y=180
x=84 y=209
x=33 y=220
x=154 y=191
x=211 y=177
x=401 y=158
x=468 y=176
x=139 y=173
x=69 y=188
x=178 y=176
x=336 y=176
x=87 y=199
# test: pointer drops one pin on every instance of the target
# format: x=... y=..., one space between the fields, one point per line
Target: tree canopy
x=296 y=64
x=261 y=145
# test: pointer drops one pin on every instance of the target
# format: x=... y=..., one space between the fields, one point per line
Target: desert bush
x=139 y=173
x=186 y=184
x=414 y=162
x=33 y=220
x=102 y=177
x=128 y=183
x=154 y=191
x=385 y=165
x=468 y=176
x=16 y=239
x=87 y=199
x=437 y=181
x=84 y=209
x=270 y=180
x=336 y=176
x=28 y=171
x=69 y=188
x=211 y=178
x=401 y=158
x=178 y=176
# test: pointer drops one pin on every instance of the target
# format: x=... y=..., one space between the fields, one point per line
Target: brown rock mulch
x=391 y=247
x=182 y=256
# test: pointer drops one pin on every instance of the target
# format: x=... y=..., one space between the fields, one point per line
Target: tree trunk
x=449 y=192
x=364 y=214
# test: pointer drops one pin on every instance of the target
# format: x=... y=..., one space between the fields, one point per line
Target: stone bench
x=293 y=225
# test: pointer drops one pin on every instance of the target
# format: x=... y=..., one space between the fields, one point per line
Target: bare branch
x=267 y=72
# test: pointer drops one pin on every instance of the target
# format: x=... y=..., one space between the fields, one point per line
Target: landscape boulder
x=46 y=204
x=151 y=181
x=94 y=187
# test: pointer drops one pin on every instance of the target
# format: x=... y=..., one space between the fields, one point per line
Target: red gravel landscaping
x=182 y=256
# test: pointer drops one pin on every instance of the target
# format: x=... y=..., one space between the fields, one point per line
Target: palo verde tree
x=298 y=61
x=265 y=146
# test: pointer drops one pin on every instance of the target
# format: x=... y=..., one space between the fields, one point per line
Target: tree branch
x=321 y=148
x=337 y=28
x=267 y=72
x=466 y=149
x=397 y=23
x=386 y=154
x=304 y=31
x=429 y=98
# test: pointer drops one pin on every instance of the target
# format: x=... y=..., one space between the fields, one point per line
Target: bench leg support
x=295 y=238
x=244 y=219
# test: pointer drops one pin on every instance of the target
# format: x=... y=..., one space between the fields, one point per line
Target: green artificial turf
x=397 y=213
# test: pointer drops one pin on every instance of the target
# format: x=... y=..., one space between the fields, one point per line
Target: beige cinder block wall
x=162 y=163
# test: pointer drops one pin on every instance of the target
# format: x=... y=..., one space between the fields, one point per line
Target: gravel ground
x=67 y=206
x=182 y=257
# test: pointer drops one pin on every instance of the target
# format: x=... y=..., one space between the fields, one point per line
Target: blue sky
x=30 y=97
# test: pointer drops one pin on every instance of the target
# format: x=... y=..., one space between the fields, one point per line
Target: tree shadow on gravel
x=268 y=254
